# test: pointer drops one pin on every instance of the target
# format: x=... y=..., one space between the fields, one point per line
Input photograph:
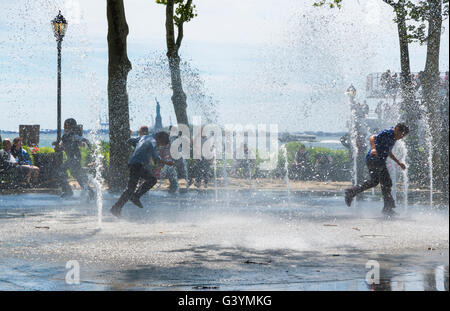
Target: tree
x=183 y=13
x=409 y=106
x=419 y=14
x=119 y=119
x=432 y=11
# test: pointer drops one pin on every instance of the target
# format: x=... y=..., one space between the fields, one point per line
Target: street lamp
x=59 y=24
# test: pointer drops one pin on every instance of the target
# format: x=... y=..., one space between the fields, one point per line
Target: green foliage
x=340 y=157
x=416 y=13
x=46 y=150
x=331 y=3
x=86 y=156
x=419 y=12
x=104 y=150
x=184 y=11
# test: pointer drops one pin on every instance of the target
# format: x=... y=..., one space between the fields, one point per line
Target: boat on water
x=288 y=137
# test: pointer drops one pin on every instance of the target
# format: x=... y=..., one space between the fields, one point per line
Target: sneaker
x=389 y=212
x=115 y=210
x=135 y=200
x=348 y=198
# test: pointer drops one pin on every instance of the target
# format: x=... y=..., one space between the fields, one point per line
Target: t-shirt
x=21 y=156
x=384 y=142
x=143 y=151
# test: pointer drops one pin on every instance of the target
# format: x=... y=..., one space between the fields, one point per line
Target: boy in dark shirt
x=381 y=146
x=70 y=142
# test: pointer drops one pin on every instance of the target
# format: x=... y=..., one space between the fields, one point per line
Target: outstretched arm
x=157 y=158
x=373 y=149
x=392 y=156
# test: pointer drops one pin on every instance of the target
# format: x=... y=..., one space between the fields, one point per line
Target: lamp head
x=59 y=24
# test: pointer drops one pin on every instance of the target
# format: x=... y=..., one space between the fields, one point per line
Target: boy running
x=381 y=146
x=138 y=165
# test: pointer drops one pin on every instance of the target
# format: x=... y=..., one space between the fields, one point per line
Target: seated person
x=23 y=158
x=9 y=164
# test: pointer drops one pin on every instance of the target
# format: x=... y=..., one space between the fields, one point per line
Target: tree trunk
x=445 y=143
x=410 y=108
x=178 y=97
x=119 y=120
x=431 y=88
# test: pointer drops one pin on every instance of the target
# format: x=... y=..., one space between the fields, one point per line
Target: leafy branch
x=417 y=13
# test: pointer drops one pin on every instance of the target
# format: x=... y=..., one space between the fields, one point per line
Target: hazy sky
x=257 y=61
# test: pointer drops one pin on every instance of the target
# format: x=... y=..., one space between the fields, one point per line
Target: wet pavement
x=244 y=240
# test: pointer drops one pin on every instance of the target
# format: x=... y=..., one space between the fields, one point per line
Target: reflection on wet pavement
x=242 y=241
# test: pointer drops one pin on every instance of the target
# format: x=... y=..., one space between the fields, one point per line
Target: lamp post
x=59 y=24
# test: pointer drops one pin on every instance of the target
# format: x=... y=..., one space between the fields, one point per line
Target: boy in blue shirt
x=381 y=146
x=19 y=153
x=24 y=160
x=139 y=167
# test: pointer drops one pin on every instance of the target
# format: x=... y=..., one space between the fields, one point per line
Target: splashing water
x=98 y=180
x=215 y=173
x=286 y=169
x=250 y=171
x=353 y=139
x=404 y=154
x=98 y=157
x=429 y=143
x=186 y=173
x=153 y=72
x=224 y=172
